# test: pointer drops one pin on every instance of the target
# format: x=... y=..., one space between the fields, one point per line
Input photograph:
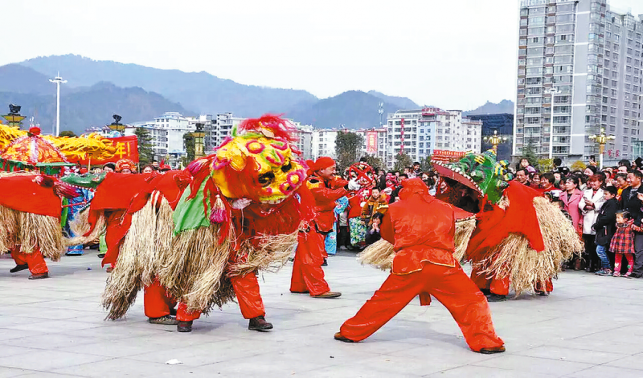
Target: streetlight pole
x=381 y=111
x=58 y=80
x=601 y=139
x=495 y=140
x=553 y=91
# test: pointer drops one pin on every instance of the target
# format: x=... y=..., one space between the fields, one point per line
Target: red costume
x=307 y=273
x=422 y=229
x=33 y=260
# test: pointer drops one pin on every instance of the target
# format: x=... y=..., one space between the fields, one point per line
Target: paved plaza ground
x=589 y=327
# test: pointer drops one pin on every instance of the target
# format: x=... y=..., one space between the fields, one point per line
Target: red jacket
x=325 y=194
x=420 y=232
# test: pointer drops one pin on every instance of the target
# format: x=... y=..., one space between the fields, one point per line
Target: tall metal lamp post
x=198 y=140
x=58 y=80
x=552 y=92
x=495 y=140
x=601 y=139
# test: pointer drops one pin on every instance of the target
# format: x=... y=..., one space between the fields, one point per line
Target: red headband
x=321 y=163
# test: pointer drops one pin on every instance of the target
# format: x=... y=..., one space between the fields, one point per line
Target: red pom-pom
x=34 y=130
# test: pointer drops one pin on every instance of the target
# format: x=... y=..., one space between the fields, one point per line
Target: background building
x=304 y=142
x=429 y=129
x=504 y=125
x=323 y=143
x=374 y=142
x=579 y=69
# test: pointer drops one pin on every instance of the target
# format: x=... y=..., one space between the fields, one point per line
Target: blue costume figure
x=74 y=206
x=331 y=238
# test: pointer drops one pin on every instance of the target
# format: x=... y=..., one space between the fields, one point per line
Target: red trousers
x=450 y=286
x=307 y=273
x=34 y=260
x=158 y=301
x=247 y=290
x=498 y=286
x=549 y=286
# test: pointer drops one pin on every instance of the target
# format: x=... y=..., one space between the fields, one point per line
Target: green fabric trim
x=102 y=244
x=190 y=214
x=65 y=213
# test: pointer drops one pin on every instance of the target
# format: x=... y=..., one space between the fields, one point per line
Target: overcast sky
x=455 y=54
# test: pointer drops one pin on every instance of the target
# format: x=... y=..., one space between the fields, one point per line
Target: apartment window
x=563 y=18
x=534 y=21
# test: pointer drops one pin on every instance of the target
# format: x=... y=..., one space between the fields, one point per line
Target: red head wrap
x=321 y=163
x=414 y=186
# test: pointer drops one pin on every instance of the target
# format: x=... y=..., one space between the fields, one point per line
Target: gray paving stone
x=589 y=327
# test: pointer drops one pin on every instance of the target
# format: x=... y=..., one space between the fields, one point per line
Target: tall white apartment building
x=220 y=128
x=428 y=129
x=304 y=143
x=579 y=70
x=323 y=143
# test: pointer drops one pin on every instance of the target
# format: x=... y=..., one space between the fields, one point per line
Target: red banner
x=371 y=142
x=446 y=155
x=126 y=148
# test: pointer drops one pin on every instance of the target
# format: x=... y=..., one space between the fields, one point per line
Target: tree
x=145 y=151
x=347 y=148
x=375 y=162
x=402 y=161
x=578 y=166
x=425 y=164
x=188 y=144
x=545 y=165
x=67 y=133
x=529 y=153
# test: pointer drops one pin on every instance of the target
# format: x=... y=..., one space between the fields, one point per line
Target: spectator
x=148 y=169
x=571 y=197
x=373 y=233
x=417 y=169
x=547 y=184
x=343 y=234
x=524 y=164
x=558 y=180
x=381 y=179
x=621 y=184
x=630 y=201
x=622 y=243
x=557 y=164
x=589 y=171
x=605 y=227
x=534 y=178
x=624 y=163
x=376 y=203
x=590 y=204
x=522 y=177
x=109 y=167
x=398 y=186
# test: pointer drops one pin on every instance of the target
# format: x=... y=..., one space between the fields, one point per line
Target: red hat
x=125 y=164
x=321 y=163
x=82 y=171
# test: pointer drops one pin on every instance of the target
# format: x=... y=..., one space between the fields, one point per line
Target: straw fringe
x=80 y=226
x=31 y=231
x=514 y=258
x=138 y=259
x=271 y=256
x=380 y=254
x=193 y=269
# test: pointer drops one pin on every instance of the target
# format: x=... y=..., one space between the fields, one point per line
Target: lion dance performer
x=422 y=230
x=307 y=272
x=520 y=240
x=30 y=213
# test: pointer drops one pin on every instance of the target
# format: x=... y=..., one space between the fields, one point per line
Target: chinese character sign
x=446 y=155
x=371 y=142
x=126 y=148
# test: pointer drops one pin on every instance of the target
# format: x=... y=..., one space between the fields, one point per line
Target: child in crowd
x=623 y=242
x=604 y=227
x=373 y=233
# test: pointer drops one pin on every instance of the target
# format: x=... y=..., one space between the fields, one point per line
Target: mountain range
x=97 y=89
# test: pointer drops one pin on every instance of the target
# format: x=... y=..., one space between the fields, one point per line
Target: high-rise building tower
x=579 y=68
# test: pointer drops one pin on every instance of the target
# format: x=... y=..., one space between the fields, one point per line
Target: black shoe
x=542 y=293
x=184 y=326
x=164 y=320
x=325 y=263
x=101 y=255
x=499 y=349
x=496 y=298
x=18 y=268
x=486 y=291
x=173 y=311
x=259 y=324
x=39 y=276
x=635 y=275
x=338 y=336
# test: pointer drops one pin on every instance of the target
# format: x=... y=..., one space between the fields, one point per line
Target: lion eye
x=286 y=167
x=266 y=178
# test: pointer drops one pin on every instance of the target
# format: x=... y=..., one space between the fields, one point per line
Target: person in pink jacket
x=571 y=197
